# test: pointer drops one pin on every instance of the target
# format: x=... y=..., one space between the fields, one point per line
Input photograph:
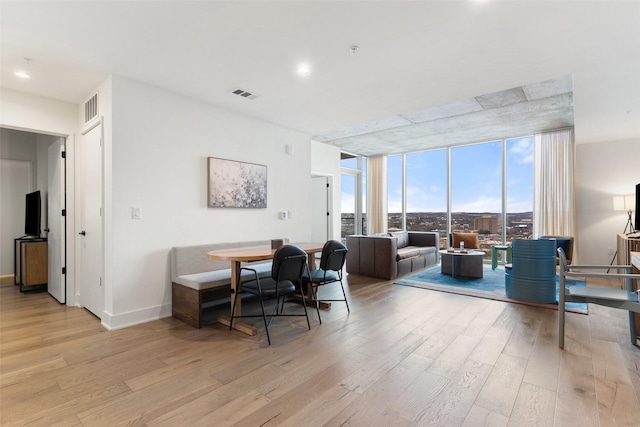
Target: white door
x=91 y=234
x=56 y=225
x=320 y=214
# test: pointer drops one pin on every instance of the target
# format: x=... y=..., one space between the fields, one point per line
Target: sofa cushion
x=403 y=238
x=408 y=252
x=413 y=251
x=470 y=240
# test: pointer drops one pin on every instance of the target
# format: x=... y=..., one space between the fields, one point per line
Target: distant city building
x=487 y=223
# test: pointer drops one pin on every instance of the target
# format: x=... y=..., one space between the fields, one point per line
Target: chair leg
x=561 y=314
x=264 y=317
x=304 y=305
x=345 y=296
x=233 y=309
x=314 y=289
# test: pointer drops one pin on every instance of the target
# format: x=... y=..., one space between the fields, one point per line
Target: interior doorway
x=47 y=173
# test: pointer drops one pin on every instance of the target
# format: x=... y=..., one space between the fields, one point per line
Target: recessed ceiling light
x=304 y=70
x=22 y=74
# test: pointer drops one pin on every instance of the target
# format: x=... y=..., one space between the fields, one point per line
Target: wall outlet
x=610 y=252
x=136 y=213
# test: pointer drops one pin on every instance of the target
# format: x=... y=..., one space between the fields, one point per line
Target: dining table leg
x=235 y=285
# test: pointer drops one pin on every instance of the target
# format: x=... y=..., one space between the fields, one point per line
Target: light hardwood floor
x=403 y=357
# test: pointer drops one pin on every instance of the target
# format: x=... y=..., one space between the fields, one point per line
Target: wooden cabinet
x=628 y=243
x=31 y=264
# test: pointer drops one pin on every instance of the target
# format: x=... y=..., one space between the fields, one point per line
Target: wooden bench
x=198 y=282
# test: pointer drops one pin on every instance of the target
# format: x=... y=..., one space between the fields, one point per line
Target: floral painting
x=235 y=184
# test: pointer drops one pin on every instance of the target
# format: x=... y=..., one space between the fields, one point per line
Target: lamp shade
x=624 y=203
x=630 y=202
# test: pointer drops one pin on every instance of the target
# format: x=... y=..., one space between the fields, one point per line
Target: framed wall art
x=233 y=184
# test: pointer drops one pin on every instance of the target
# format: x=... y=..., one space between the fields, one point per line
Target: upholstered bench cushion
x=219 y=278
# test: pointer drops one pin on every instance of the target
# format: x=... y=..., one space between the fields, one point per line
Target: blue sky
x=476 y=179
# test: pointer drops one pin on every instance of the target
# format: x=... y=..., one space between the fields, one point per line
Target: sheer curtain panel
x=554 y=203
x=377 y=197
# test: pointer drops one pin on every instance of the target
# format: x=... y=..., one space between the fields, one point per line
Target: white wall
x=159 y=149
x=18 y=154
x=603 y=170
x=37 y=114
x=325 y=161
x=19 y=145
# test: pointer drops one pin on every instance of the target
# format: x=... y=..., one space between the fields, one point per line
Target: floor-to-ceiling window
x=476 y=191
x=489 y=187
x=426 y=192
x=394 y=193
x=519 y=188
x=352 y=196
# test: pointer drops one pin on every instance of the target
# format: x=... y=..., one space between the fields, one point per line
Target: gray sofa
x=390 y=255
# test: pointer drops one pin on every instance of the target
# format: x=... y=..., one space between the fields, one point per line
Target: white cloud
x=522 y=150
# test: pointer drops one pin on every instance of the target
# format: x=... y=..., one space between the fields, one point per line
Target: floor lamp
x=624 y=203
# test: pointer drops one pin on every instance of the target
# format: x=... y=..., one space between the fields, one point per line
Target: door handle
x=46 y=229
x=82 y=233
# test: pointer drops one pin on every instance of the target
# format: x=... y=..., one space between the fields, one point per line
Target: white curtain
x=377 y=197
x=554 y=204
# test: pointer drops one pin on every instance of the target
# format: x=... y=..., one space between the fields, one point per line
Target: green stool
x=494 y=254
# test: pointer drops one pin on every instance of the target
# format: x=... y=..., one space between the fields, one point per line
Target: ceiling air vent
x=245 y=94
x=91 y=108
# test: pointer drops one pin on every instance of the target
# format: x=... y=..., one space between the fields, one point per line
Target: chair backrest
x=534 y=258
x=470 y=240
x=564 y=242
x=334 y=254
x=288 y=263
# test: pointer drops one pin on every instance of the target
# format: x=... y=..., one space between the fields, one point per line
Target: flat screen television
x=32 y=214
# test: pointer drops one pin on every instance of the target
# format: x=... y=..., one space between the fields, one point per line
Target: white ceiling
x=412 y=56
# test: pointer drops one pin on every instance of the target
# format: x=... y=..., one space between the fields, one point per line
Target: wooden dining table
x=249 y=254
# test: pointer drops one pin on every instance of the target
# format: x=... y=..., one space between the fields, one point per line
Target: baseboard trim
x=113 y=322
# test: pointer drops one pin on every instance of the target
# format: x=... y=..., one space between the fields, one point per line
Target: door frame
x=70 y=238
x=97 y=122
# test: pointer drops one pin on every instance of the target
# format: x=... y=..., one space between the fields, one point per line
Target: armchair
x=470 y=240
x=625 y=299
x=532 y=275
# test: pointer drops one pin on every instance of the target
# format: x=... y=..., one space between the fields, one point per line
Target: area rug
x=491 y=286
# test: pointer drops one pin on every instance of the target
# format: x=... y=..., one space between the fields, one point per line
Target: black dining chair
x=289 y=264
x=334 y=254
